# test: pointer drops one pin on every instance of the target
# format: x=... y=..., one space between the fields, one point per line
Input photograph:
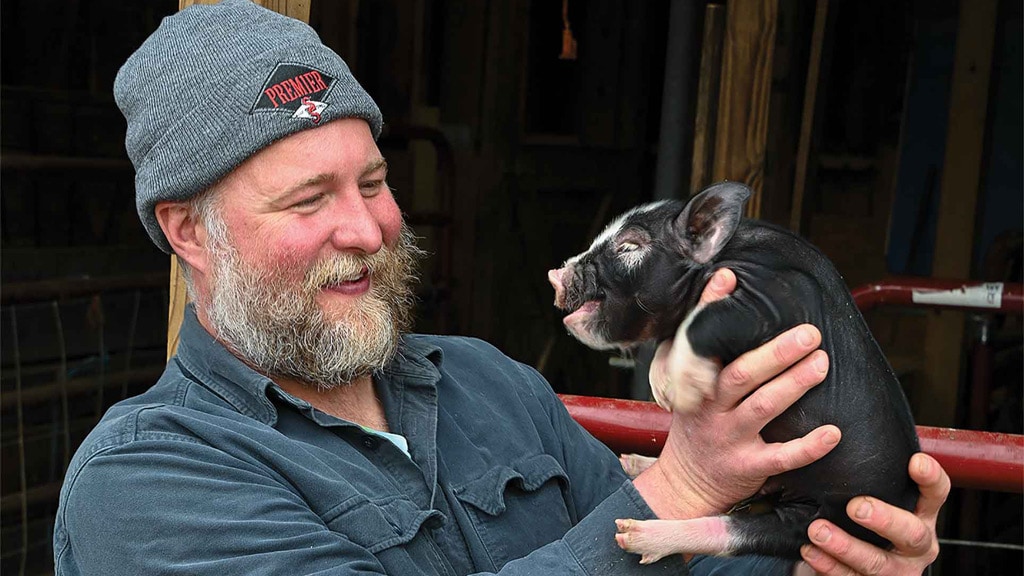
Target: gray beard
x=278 y=328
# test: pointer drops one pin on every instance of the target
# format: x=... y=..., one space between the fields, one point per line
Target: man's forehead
x=344 y=136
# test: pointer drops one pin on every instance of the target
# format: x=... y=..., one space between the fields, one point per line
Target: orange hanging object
x=568 y=42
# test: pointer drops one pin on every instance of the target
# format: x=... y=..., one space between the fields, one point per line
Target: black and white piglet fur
x=642 y=278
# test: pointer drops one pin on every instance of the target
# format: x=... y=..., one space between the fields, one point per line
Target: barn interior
x=887 y=133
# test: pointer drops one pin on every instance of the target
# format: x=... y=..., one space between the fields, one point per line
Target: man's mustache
x=340 y=268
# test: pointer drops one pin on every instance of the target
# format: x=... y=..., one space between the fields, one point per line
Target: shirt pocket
x=389 y=529
x=518 y=508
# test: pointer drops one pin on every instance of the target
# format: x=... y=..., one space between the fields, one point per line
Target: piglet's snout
x=557 y=282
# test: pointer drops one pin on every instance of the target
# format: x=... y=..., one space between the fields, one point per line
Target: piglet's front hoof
x=637 y=537
x=634 y=464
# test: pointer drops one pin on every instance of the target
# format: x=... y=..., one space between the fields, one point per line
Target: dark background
x=507 y=160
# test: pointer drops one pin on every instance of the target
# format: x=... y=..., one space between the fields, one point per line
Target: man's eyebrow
x=317 y=180
x=375 y=165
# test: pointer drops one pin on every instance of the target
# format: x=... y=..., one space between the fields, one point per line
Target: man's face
x=310 y=265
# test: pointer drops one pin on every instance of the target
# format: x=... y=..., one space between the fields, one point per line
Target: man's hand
x=715 y=456
x=834 y=552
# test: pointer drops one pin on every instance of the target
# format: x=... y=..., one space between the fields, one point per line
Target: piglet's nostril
x=555 y=277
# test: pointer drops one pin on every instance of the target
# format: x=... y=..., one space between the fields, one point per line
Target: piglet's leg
x=779 y=532
x=680 y=379
x=634 y=464
x=655 y=539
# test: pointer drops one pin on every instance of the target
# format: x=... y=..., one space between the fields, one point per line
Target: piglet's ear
x=709 y=220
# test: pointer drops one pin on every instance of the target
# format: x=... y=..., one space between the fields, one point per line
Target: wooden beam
x=961 y=183
x=298 y=9
x=707 y=96
x=742 y=133
x=176 y=302
x=811 y=113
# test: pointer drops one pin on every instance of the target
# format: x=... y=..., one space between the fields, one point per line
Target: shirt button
x=371 y=442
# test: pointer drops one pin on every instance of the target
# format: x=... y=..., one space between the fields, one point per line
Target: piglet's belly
x=871 y=459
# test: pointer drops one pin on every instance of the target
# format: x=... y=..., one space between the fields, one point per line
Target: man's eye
x=307 y=202
x=371 y=187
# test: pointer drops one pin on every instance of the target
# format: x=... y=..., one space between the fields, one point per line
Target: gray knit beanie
x=217 y=83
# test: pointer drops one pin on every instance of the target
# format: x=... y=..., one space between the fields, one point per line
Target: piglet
x=641 y=279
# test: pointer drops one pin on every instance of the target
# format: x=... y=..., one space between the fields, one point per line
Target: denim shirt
x=217 y=470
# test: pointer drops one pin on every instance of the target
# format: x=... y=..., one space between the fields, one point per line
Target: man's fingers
x=803 y=569
x=933 y=482
x=910 y=535
x=773 y=398
x=754 y=368
x=722 y=283
x=799 y=452
x=852 y=556
x=834 y=552
x=822 y=563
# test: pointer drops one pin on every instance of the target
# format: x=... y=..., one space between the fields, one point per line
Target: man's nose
x=355 y=226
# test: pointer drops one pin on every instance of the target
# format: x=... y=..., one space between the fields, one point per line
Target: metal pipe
x=1002 y=297
x=41 y=393
x=675 y=136
x=973 y=459
x=66 y=288
x=38 y=162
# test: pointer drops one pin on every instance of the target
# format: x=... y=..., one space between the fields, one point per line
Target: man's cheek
x=388 y=216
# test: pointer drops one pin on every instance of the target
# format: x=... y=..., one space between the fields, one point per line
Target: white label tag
x=988 y=295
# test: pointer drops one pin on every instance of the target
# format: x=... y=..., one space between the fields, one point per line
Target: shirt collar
x=417 y=363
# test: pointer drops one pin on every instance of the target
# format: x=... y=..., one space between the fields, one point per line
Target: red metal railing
x=1001 y=297
x=973 y=459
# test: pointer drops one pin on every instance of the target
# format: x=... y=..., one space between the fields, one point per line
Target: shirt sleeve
x=172 y=505
x=741 y=566
x=176 y=506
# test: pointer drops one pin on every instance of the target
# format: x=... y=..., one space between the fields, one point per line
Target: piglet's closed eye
x=709 y=220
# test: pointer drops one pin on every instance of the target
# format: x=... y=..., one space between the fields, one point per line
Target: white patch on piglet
x=612 y=229
x=686 y=379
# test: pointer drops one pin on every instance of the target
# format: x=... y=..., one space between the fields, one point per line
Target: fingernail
x=823 y=534
x=803 y=337
x=810 y=552
x=831 y=438
x=864 y=510
x=821 y=363
x=924 y=465
x=718 y=280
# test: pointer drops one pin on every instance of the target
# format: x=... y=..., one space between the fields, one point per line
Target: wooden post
x=298 y=9
x=175 y=306
x=707 y=97
x=811 y=115
x=742 y=133
x=961 y=181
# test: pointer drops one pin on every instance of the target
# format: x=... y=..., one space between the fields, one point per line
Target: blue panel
x=1002 y=203
x=915 y=204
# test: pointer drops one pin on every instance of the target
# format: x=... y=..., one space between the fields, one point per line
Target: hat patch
x=310 y=109
x=296 y=88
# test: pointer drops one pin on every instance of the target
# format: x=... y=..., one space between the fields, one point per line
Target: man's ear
x=184 y=233
x=709 y=220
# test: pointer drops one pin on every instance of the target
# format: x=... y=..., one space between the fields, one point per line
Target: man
x=299 y=429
